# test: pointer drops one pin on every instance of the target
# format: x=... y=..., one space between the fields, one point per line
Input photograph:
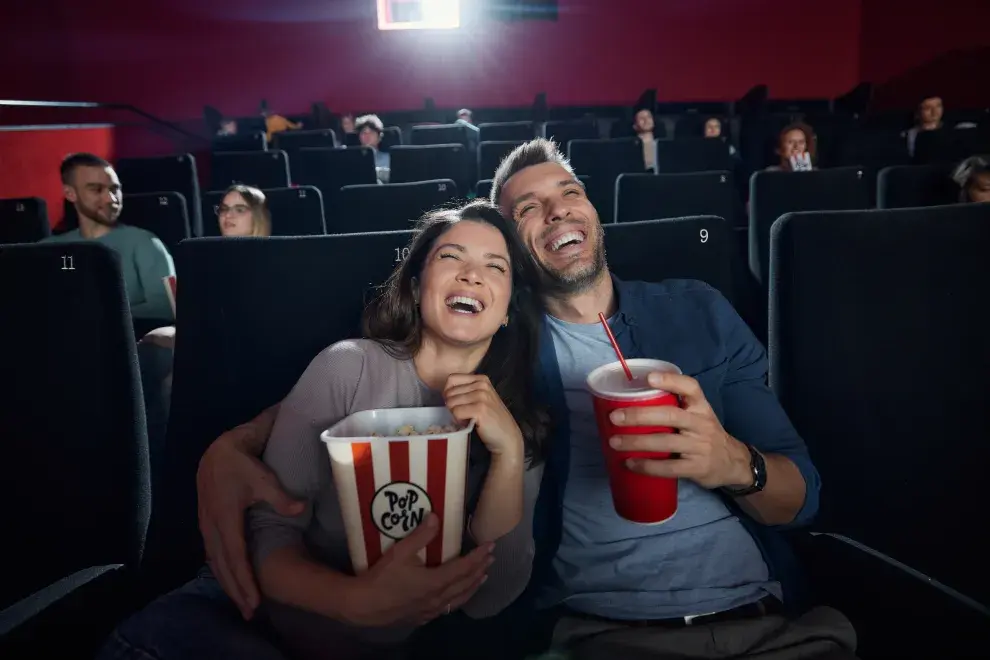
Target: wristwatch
x=759 y=468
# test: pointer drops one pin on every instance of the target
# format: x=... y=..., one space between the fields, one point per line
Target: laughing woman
x=456 y=326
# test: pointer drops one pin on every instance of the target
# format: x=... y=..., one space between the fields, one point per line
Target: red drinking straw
x=615 y=345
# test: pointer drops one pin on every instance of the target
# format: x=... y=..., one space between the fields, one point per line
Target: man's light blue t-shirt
x=702 y=560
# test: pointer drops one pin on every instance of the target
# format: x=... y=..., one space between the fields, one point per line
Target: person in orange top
x=276 y=123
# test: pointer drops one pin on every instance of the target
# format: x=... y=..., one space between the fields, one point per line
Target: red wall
x=909 y=50
x=30 y=161
x=172 y=56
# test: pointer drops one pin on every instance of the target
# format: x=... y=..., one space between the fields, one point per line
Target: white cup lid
x=609 y=381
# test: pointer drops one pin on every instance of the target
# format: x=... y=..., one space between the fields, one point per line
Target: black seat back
x=908 y=186
x=772 y=194
x=242 y=141
x=490 y=155
x=440 y=134
x=697 y=154
x=167 y=173
x=412 y=163
x=603 y=161
x=261 y=169
x=332 y=169
x=391 y=207
x=72 y=420
x=563 y=131
x=698 y=248
x=655 y=196
x=24 y=220
x=877 y=347
x=257 y=340
x=163 y=214
x=292 y=141
x=510 y=131
x=295 y=211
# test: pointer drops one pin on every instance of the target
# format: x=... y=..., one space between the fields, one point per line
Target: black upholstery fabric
x=292 y=141
x=686 y=248
x=693 y=125
x=242 y=141
x=332 y=169
x=772 y=194
x=391 y=137
x=697 y=154
x=391 y=207
x=256 y=340
x=490 y=155
x=295 y=211
x=440 y=134
x=603 y=161
x=168 y=173
x=910 y=186
x=655 y=196
x=427 y=162
x=951 y=145
x=878 y=352
x=562 y=132
x=163 y=214
x=24 y=220
x=874 y=149
x=512 y=131
x=261 y=169
x=75 y=472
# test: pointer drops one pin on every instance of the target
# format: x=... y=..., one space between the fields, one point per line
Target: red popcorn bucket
x=391 y=469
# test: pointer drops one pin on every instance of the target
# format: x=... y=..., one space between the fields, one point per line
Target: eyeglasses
x=236 y=209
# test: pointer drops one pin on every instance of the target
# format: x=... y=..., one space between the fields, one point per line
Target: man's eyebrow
x=563 y=183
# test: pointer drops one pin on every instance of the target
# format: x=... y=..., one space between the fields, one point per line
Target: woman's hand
x=470 y=396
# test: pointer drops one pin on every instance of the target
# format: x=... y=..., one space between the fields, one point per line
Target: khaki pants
x=822 y=633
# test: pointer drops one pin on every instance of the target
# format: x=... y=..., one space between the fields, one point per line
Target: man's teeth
x=465 y=302
x=561 y=241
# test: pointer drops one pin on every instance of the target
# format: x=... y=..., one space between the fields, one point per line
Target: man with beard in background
x=91 y=185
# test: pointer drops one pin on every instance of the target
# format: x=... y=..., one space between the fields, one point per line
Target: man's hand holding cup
x=701 y=449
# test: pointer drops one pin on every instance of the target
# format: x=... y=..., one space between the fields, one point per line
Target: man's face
x=931 y=111
x=369 y=137
x=96 y=193
x=558 y=224
x=643 y=122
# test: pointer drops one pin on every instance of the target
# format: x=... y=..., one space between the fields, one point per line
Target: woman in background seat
x=973 y=177
x=797 y=149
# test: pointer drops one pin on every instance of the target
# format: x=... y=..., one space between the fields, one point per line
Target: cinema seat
x=332 y=169
x=412 y=163
x=257 y=341
x=390 y=207
x=772 y=194
x=656 y=196
x=167 y=173
x=877 y=344
x=261 y=169
x=75 y=471
x=295 y=211
x=24 y=220
x=163 y=214
x=910 y=186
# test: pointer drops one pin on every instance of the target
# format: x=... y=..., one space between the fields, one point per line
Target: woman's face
x=713 y=128
x=465 y=284
x=979 y=188
x=234 y=216
x=794 y=143
x=347 y=124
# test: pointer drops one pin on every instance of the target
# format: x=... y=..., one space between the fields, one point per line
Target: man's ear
x=70 y=193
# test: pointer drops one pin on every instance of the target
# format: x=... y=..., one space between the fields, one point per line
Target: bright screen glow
x=419 y=14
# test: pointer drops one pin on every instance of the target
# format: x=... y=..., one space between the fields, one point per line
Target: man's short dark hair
x=72 y=161
x=369 y=121
x=534 y=152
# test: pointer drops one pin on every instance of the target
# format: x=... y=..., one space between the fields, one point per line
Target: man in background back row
x=91 y=185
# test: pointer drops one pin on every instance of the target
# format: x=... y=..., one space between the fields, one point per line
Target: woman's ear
x=414 y=283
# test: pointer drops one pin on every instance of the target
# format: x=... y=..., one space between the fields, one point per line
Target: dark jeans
x=195 y=622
